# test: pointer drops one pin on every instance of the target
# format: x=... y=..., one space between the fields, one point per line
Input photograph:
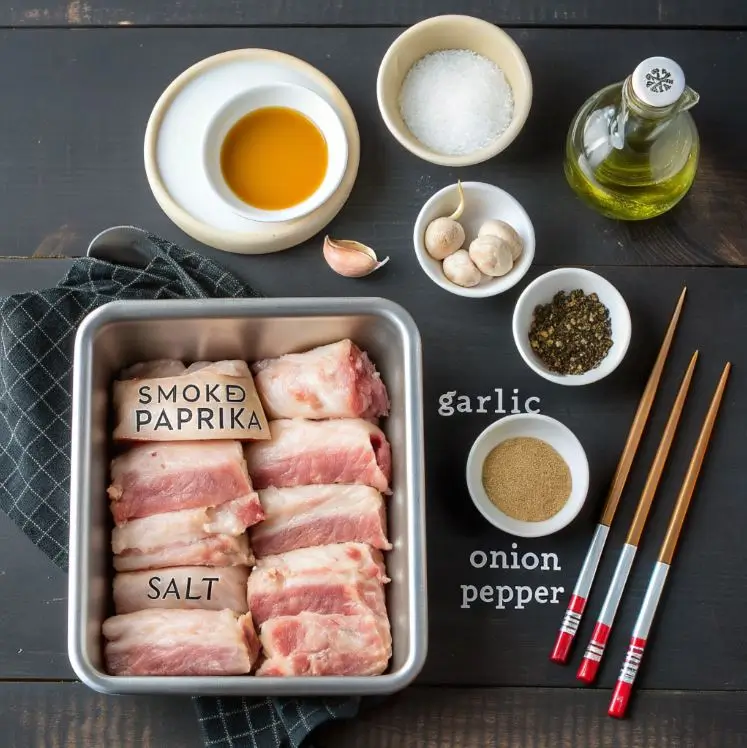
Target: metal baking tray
x=123 y=332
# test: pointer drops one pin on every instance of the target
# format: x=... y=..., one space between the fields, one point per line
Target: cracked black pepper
x=572 y=334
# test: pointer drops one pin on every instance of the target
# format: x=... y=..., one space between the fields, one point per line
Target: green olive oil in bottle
x=632 y=148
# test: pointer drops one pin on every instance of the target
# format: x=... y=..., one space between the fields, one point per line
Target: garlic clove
x=457 y=214
x=504 y=231
x=460 y=269
x=443 y=237
x=491 y=254
x=349 y=258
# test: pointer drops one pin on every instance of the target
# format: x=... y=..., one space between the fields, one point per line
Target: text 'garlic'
x=350 y=258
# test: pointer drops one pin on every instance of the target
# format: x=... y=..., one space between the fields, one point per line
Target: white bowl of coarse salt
x=454 y=90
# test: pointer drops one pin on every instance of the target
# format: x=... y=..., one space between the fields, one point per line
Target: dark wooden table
x=78 y=82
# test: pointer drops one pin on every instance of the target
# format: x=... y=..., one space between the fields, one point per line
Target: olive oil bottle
x=632 y=149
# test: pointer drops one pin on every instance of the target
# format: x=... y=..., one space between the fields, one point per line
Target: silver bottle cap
x=658 y=81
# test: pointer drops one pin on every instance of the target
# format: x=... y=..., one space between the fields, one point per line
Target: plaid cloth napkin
x=37 y=333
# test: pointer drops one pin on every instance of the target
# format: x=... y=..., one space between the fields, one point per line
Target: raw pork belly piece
x=229 y=368
x=338 y=557
x=169 y=476
x=334 y=587
x=186 y=587
x=167 y=367
x=213 y=536
x=307 y=516
x=180 y=642
x=213 y=550
x=331 y=381
x=314 y=644
x=163 y=367
x=271 y=596
x=187 y=526
x=301 y=452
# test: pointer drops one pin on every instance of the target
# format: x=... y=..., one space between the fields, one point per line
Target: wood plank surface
x=76 y=103
x=21 y=275
x=509 y=645
x=71 y=153
x=719 y=13
x=33 y=615
x=69 y=715
x=544 y=718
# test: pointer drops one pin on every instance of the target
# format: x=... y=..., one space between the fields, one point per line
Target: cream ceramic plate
x=173 y=150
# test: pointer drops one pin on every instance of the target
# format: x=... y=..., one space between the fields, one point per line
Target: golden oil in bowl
x=274 y=158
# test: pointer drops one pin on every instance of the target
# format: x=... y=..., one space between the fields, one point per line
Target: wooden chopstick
x=577 y=603
x=624 y=686
x=589 y=666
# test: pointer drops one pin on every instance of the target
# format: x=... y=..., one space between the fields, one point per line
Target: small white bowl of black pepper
x=572 y=326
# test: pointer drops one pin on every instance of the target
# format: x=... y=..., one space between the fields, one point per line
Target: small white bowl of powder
x=454 y=90
x=528 y=475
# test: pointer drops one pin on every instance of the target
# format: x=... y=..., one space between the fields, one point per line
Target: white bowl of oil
x=275 y=152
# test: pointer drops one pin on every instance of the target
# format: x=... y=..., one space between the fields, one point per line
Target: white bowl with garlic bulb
x=474 y=239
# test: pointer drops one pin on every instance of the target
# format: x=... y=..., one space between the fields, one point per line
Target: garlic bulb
x=459 y=269
x=504 y=231
x=444 y=236
x=491 y=255
x=350 y=258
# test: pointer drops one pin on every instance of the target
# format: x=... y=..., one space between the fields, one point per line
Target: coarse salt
x=455 y=101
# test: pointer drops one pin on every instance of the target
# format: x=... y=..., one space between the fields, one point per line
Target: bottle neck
x=643 y=110
x=638 y=123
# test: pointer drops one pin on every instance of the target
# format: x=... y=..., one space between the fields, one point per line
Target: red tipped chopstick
x=577 y=603
x=589 y=666
x=624 y=686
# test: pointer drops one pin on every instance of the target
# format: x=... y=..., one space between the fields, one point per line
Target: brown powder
x=526 y=479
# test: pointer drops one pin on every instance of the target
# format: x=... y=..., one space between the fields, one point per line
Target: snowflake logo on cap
x=659 y=80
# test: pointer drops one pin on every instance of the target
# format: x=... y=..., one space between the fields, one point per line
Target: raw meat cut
x=185 y=526
x=187 y=537
x=310 y=582
x=343 y=557
x=314 y=644
x=212 y=550
x=331 y=381
x=187 y=587
x=348 y=451
x=166 y=401
x=169 y=476
x=163 y=367
x=167 y=367
x=271 y=594
x=306 y=516
x=227 y=368
x=180 y=642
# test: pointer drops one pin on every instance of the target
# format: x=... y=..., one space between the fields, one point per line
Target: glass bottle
x=632 y=149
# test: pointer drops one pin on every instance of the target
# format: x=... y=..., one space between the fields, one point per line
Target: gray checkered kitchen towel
x=37 y=332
